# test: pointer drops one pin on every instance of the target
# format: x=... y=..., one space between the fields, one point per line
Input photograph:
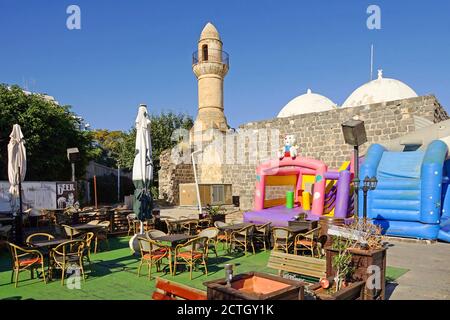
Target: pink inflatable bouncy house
x=329 y=194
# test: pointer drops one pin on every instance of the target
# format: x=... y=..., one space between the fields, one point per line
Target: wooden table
x=86 y=227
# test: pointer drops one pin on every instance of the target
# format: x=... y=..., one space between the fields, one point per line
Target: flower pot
x=353 y=291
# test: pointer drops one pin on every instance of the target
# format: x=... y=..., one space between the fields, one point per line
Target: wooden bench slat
x=180 y=290
x=307 y=266
x=160 y=296
x=304 y=265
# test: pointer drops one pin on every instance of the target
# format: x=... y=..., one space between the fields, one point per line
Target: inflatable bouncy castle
x=412 y=198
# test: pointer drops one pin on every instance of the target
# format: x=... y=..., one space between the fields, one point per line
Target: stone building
x=389 y=108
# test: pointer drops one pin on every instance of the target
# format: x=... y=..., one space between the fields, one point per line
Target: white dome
x=307 y=103
x=379 y=90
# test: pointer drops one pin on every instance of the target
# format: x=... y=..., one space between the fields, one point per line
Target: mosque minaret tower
x=210 y=66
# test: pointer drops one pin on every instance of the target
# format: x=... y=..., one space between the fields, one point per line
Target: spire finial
x=380 y=73
x=308 y=91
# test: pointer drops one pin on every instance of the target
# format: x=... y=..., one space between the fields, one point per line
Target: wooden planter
x=361 y=260
x=214 y=218
x=355 y=291
x=255 y=286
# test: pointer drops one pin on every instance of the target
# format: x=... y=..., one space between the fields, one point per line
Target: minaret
x=210 y=65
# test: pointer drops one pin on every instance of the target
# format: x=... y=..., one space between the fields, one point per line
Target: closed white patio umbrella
x=17 y=169
x=142 y=171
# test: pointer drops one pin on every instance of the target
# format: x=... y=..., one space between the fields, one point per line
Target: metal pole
x=196 y=181
x=356 y=181
x=118 y=184
x=19 y=221
x=365 y=205
x=95 y=191
x=73 y=171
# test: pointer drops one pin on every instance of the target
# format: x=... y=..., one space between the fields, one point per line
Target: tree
x=107 y=146
x=49 y=129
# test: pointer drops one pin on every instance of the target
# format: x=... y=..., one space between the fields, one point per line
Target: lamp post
x=369 y=184
x=73 y=155
x=355 y=135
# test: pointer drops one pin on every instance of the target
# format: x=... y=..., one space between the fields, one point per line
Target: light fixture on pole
x=73 y=155
x=369 y=184
x=355 y=135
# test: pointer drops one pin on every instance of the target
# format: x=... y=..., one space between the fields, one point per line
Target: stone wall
x=319 y=136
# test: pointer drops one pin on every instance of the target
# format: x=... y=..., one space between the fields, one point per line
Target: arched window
x=205 y=52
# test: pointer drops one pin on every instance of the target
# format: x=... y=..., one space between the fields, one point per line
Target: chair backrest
x=246 y=231
x=190 y=226
x=281 y=233
x=35 y=237
x=219 y=224
x=265 y=228
x=70 y=247
x=196 y=244
x=152 y=234
x=88 y=236
x=15 y=251
x=312 y=234
x=210 y=233
x=171 y=227
x=94 y=222
x=69 y=230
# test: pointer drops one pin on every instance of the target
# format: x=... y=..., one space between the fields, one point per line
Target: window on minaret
x=205 y=52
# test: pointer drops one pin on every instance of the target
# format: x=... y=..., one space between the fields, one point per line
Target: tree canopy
x=49 y=129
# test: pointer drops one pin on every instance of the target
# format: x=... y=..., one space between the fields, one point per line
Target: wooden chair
x=223 y=236
x=35 y=237
x=71 y=233
x=152 y=234
x=189 y=228
x=152 y=253
x=171 y=227
x=262 y=234
x=243 y=238
x=102 y=234
x=131 y=218
x=25 y=259
x=168 y=290
x=282 y=239
x=307 y=242
x=192 y=253
x=212 y=234
x=67 y=254
x=87 y=237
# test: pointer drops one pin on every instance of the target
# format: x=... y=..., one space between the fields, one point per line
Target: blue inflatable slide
x=412 y=198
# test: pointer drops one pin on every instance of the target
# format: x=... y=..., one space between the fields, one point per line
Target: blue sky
x=129 y=52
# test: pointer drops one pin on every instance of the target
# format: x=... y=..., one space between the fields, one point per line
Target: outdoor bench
x=168 y=290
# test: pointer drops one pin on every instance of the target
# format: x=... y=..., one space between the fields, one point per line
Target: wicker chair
x=192 y=253
x=243 y=238
x=131 y=218
x=171 y=227
x=211 y=233
x=67 y=254
x=223 y=236
x=308 y=242
x=94 y=222
x=35 y=237
x=71 y=233
x=25 y=259
x=152 y=253
x=102 y=234
x=152 y=234
x=282 y=239
x=262 y=234
x=189 y=228
x=87 y=237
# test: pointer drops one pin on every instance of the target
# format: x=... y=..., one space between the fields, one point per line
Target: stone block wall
x=319 y=136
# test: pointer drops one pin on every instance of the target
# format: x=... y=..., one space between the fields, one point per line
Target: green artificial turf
x=114 y=276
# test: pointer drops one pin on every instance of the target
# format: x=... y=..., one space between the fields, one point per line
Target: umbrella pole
x=19 y=221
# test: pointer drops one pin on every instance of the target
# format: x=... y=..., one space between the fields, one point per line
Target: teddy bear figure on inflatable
x=290 y=149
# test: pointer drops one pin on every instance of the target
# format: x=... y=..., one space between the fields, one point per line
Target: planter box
x=255 y=286
x=355 y=291
x=361 y=260
x=214 y=218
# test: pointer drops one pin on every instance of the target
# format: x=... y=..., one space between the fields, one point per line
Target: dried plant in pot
x=342 y=261
x=214 y=213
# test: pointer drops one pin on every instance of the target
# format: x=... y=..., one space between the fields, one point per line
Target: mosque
x=389 y=108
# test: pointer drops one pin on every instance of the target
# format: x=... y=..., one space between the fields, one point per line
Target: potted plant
x=368 y=254
x=214 y=213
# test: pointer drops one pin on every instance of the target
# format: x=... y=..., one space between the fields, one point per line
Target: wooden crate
x=292 y=290
x=361 y=260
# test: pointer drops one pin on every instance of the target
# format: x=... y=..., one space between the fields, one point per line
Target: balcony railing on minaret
x=211 y=55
